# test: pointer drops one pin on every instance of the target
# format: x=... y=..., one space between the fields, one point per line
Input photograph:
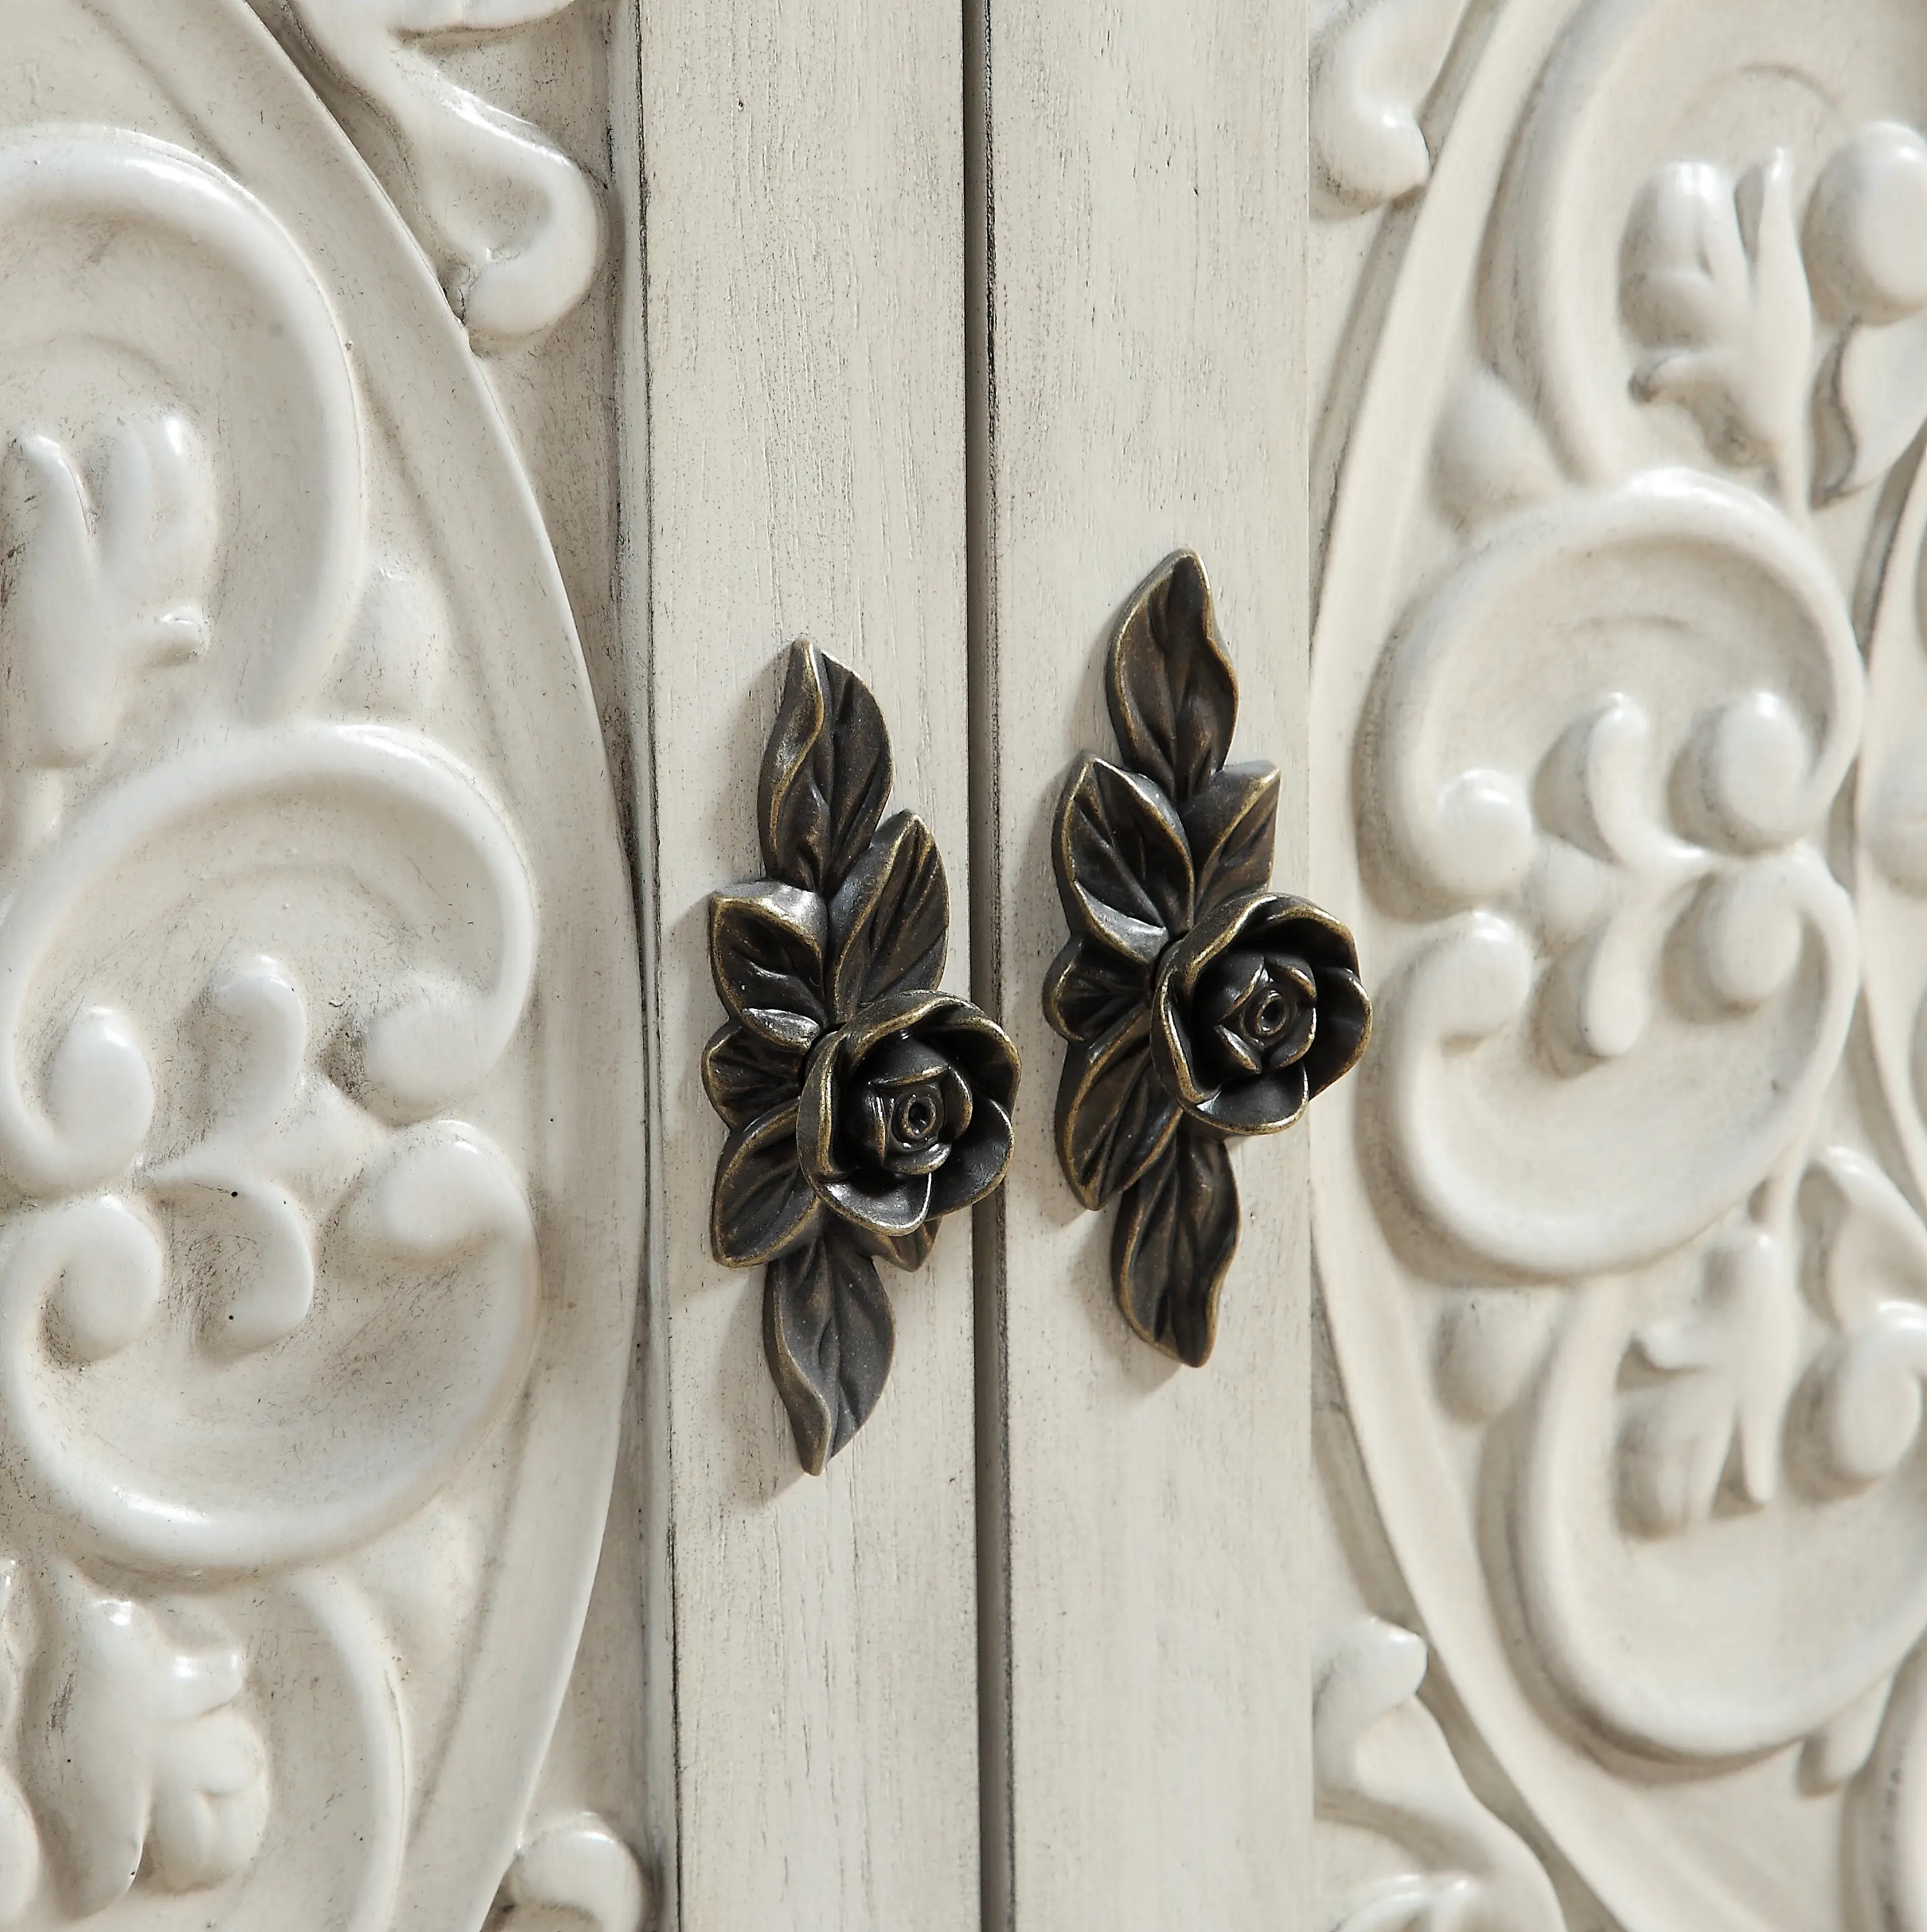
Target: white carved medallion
x=1621 y=696
x=318 y=1034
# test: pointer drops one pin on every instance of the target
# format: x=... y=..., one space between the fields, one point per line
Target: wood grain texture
x=802 y=334
x=1142 y=388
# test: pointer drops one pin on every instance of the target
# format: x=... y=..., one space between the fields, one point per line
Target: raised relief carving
x=1383 y=1763
x=513 y=225
x=1620 y=765
x=270 y=942
x=1199 y=1006
x=863 y=1105
x=574 y=1871
x=1373 y=72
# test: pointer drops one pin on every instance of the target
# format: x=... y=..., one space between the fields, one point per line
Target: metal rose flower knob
x=863 y=1106
x=1198 y=1004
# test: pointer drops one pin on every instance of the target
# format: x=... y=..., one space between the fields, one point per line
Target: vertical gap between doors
x=994 y=1736
x=660 y=1718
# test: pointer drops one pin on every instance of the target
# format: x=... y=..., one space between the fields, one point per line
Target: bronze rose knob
x=863 y=1105
x=1199 y=1004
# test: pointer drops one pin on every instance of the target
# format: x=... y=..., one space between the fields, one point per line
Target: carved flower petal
x=1115 y=1115
x=762 y=1207
x=1344 y=1028
x=1124 y=869
x=907 y=1251
x=881 y=1204
x=746 y=1075
x=890 y=920
x=766 y=946
x=977 y=1046
x=1089 y=989
x=977 y=1162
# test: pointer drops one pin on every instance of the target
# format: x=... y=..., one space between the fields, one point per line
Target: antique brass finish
x=863 y=1105
x=1198 y=1004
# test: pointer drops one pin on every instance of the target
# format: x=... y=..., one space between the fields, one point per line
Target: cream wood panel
x=1142 y=197
x=794 y=461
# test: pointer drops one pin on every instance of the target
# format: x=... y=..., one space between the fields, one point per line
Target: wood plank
x=1140 y=190
x=802 y=347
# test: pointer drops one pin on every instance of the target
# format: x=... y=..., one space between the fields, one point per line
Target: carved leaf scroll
x=1619 y=758
x=268 y=944
x=452 y=159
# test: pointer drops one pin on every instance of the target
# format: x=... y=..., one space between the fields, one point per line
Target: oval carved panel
x=319 y=1096
x=1620 y=682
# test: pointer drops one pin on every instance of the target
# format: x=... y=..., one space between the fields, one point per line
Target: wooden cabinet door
x=1615 y=729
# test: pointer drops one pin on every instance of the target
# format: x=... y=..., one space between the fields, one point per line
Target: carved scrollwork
x=1198 y=1005
x=863 y=1105
x=270 y=939
x=1626 y=795
x=1383 y=1763
x=454 y=161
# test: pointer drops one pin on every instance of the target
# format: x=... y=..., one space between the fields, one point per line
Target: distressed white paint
x=797 y=449
x=1147 y=192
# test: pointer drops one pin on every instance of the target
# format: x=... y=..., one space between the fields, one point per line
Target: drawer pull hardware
x=1199 y=1005
x=863 y=1105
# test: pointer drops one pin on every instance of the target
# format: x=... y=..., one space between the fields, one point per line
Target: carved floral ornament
x=1620 y=762
x=864 y=1106
x=1199 y=1006
x=277 y=905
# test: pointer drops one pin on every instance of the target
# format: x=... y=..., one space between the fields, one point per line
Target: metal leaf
x=747 y=1076
x=890 y=920
x=766 y=946
x=1115 y=1117
x=1124 y=869
x=1232 y=825
x=828 y=1332
x=1173 y=697
x=1176 y=1232
x=762 y=1206
x=1089 y=989
x=825 y=776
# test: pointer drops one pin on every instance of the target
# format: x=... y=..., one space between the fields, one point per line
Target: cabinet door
x=1141 y=201
x=1616 y=737
x=319 y=1037
x=795 y=464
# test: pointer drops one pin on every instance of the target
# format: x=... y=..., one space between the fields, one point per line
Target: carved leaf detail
x=575 y=1870
x=826 y=775
x=1728 y=1364
x=1382 y=1762
x=98 y=585
x=829 y=1334
x=890 y=920
x=1173 y=697
x=1374 y=73
x=1116 y=1115
x=1714 y=287
x=1232 y=826
x=139 y=1753
x=1866 y=1410
x=1124 y=865
x=450 y=155
x=1176 y=1232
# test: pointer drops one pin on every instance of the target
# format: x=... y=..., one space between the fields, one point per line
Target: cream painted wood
x=795 y=451
x=1144 y=183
